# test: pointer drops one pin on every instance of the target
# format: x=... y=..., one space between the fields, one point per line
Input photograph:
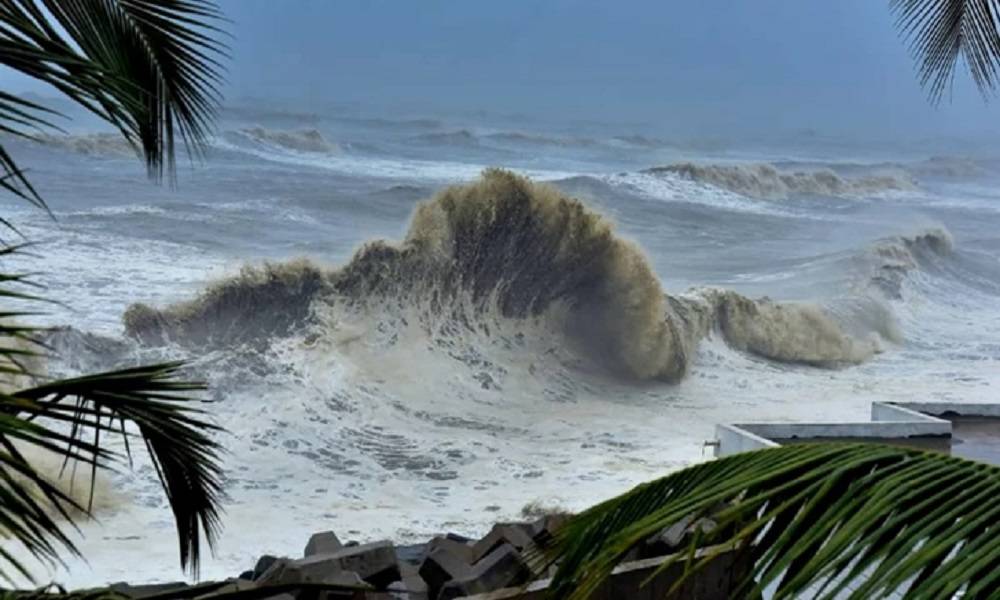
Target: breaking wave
x=894 y=257
x=763 y=180
x=500 y=250
x=302 y=140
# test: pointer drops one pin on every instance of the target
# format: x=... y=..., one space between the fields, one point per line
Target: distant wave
x=461 y=137
x=541 y=139
x=465 y=137
x=505 y=250
x=302 y=140
x=639 y=140
x=114 y=144
x=895 y=257
x=763 y=180
x=956 y=167
x=91 y=144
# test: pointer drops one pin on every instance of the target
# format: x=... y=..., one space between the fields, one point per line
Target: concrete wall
x=733 y=438
x=890 y=423
x=939 y=409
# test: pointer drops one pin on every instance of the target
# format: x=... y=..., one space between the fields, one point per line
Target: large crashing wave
x=505 y=248
x=762 y=180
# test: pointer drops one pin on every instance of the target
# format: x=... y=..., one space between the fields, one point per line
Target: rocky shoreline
x=501 y=564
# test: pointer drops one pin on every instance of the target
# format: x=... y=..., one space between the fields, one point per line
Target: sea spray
x=256 y=304
x=891 y=259
x=504 y=248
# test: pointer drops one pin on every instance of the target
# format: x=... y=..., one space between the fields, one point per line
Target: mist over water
x=403 y=340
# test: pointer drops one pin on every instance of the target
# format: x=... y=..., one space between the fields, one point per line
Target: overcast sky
x=711 y=66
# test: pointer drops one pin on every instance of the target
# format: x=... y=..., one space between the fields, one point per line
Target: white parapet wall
x=941 y=409
x=889 y=421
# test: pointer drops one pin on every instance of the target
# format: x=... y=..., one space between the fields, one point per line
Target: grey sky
x=702 y=66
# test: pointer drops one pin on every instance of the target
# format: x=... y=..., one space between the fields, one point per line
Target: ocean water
x=391 y=362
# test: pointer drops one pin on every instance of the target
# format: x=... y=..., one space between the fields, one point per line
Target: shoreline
x=504 y=563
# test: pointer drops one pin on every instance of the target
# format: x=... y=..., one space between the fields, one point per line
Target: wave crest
x=91 y=144
x=895 y=257
x=256 y=304
x=301 y=140
x=787 y=332
x=763 y=180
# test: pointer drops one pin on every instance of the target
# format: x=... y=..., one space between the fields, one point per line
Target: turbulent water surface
x=401 y=341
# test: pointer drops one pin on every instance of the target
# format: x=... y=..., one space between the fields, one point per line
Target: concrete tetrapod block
x=518 y=535
x=263 y=564
x=324 y=542
x=462 y=550
x=675 y=537
x=410 y=587
x=376 y=562
x=236 y=585
x=441 y=565
x=631 y=581
x=501 y=568
x=141 y=591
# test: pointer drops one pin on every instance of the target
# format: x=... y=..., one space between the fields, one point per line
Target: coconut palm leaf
x=941 y=31
x=149 y=67
x=75 y=417
x=824 y=520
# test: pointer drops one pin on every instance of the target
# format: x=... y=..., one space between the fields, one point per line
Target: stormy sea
x=412 y=325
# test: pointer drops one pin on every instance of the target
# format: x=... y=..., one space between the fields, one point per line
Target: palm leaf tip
x=164 y=416
x=826 y=521
x=150 y=67
x=940 y=32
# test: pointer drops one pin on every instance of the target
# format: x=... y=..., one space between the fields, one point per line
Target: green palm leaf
x=79 y=415
x=825 y=520
x=149 y=67
x=941 y=31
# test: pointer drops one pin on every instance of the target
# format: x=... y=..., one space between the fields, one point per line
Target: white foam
x=388 y=168
x=544 y=430
x=672 y=188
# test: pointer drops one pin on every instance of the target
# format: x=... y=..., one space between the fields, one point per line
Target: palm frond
x=825 y=520
x=175 y=434
x=941 y=31
x=21 y=346
x=149 y=67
